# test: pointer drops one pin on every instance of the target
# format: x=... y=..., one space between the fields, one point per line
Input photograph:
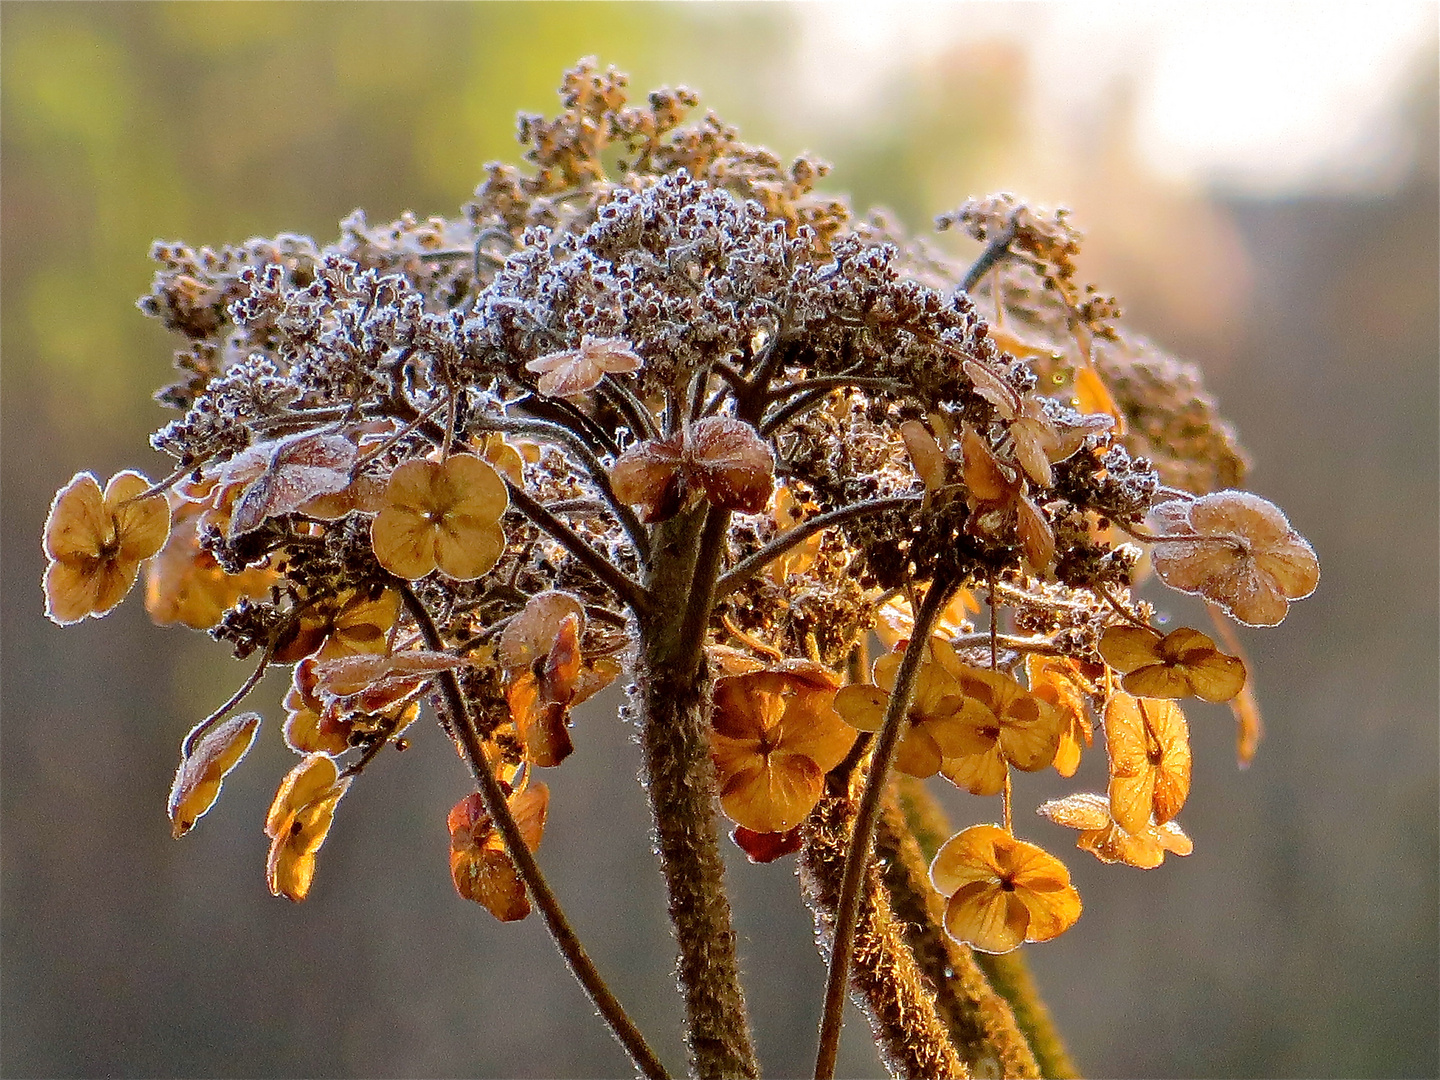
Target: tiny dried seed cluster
x=445 y=459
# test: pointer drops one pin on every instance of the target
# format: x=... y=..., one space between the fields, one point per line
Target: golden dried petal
x=78 y=522
x=298 y=468
x=1083 y=810
x=198 y=779
x=775 y=794
x=302 y=785
x=987 y=918
x=979 y=774
x=862 y=706
x=986 y=478
x=925 y=453
x=1216 y=677
x=141 y=525
x=1037 y=538
x=299 y=821
x=1126 y=648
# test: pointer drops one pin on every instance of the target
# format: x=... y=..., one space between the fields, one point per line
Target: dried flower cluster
x=684 y=422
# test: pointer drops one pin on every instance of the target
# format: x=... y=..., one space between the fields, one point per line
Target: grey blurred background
x=1259 y=183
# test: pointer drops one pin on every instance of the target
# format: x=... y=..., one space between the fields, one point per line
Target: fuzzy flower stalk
x=652 y=409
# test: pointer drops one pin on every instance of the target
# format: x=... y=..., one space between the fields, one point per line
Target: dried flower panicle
x=653 y=406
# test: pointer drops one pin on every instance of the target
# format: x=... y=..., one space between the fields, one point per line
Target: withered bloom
x=96 y=542
x=776 y=734
x=723 y=459
x=1238 y=550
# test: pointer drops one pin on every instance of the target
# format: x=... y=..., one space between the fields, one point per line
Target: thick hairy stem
x=672 y=692
x=887 y=983
x=902 y=695
x=1008 y=976
x=563 y=934
x=979 y=1020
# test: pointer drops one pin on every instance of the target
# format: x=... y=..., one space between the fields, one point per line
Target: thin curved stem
x=198 y=731
x=599 y=476
x=609 y=574
x=633 y=409
x=747 y=567
x=566 y=940
x=847 y=910
x=996 y=250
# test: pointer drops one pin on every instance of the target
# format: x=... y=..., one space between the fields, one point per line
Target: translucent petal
x=198 y=779
x=987 y=918
x=78 y=524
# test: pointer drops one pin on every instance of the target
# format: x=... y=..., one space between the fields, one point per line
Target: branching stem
x=609 y=574
x=566 y=940
x=747 y=567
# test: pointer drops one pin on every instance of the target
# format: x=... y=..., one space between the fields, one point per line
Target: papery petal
x=466 y=547
x=918 y=754
x=732 y=463
x=968 y=856
x=766 y=847
x=812 y=729
x=404 y=542
x=1215 y=677
x=1126 y=648
x=1032 y=746
x=1158 y=681
x=772 y=795
x=987 y=918
x=1052 y=912
x=78 y=523
x=141 y=526
x=979 y=774
x=201 y=772
x=862 y=706
x=531 y=633
x=1083 y=810
x=302 y=785
x=72 y=591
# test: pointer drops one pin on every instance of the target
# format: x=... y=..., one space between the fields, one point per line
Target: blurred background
x=1259 y=186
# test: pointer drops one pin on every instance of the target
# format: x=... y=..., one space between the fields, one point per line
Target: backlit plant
x=652 y=409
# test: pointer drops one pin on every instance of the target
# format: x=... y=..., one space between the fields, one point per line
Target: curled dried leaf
x=295 y=470
x=201 y=772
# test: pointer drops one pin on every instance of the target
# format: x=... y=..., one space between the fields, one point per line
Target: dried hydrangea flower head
x=441 y=514
x=776 y=734
x=1182 y=663
x=651 y=407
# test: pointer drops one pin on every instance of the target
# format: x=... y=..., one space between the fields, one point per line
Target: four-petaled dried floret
x=96 y=542
x=1238 y=550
